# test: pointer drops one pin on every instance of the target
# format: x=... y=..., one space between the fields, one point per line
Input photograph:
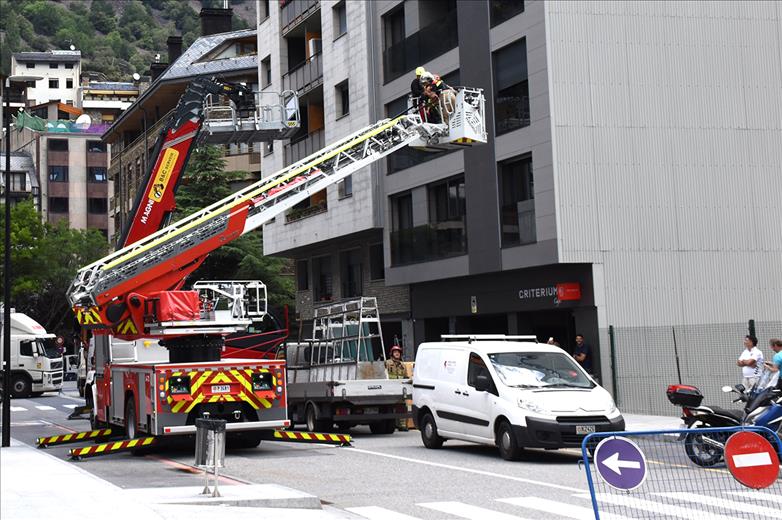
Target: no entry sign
x=752 y=460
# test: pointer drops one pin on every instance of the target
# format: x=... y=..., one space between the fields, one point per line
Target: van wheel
x=429 y=433
x=507 y=443
x=313 y=423
x=20 y=386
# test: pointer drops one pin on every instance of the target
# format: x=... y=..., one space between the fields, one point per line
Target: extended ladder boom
x=115 y=288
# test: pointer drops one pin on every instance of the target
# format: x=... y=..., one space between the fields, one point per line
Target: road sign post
x=752 y=460
x=620 y=463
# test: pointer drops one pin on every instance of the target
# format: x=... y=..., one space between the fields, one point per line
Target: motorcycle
x=763 y=407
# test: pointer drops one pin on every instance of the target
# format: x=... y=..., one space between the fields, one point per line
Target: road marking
x=758 y=495
x=71 y=406
x=18 y=409
x=44 y=408
x=749 y=460
x=466 y=470
x=463 y=510
x=652 y=507
x=379 y=513
x=558 y=508
x=723 y=503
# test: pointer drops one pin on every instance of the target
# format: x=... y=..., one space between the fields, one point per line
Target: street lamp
x=6 y=418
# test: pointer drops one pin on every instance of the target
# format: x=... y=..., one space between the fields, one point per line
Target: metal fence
x=647 y=359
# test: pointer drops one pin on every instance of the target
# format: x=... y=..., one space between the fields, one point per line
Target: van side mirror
x=482 y=383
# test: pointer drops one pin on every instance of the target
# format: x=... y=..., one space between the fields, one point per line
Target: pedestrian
x=396 y=370
x=775 y=365
x=750 y=361
x=583 y=353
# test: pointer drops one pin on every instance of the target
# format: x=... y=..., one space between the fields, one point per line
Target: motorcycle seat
x=736 y=414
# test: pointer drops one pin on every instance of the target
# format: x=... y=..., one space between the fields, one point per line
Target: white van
x=508 y=391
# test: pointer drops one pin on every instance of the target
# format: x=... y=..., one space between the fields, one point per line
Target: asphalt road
x=395 y=477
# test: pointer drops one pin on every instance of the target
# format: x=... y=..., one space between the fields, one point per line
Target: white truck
x=36 y=362
x=339 y=377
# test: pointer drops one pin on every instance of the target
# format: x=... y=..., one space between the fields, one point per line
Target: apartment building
x=60 y=71
x=624 y=184
x=24 y=182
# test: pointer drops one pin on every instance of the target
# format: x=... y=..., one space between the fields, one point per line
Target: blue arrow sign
x=620 y=463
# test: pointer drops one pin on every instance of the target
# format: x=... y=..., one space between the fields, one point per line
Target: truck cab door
x=25 y=358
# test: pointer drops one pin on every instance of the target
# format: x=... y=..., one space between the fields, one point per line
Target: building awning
x=69 y=109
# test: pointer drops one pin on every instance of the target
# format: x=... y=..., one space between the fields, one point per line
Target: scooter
x=763 y=408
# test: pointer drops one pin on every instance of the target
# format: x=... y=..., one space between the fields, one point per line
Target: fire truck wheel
x=130 y=419
x=244 y=440
x=20 y=386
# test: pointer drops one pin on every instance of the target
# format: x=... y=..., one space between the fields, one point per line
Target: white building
x=60 y=70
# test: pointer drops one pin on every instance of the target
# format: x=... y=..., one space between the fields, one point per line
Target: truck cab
x=36 y=363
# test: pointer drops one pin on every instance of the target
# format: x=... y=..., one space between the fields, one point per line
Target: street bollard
x=210 y=450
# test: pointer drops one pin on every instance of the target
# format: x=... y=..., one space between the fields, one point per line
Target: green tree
x=44 y=260
x=102 y=16
x=46 y=17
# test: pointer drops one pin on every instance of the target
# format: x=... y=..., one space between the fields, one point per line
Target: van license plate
x=585 y=429
x=224 y=389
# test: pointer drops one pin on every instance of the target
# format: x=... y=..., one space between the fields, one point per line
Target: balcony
x=295 y=11
x=428 y=242
x=305 y=76
x=295 y=151
x=421 y=47
x=296 y=214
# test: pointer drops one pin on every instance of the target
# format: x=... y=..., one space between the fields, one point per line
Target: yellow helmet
x=419 y=71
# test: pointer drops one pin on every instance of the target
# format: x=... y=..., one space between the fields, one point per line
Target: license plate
x=370 y=410
x=584 y=429
x=224 y=389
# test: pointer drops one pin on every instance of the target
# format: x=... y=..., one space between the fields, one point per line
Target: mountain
x=115 y=37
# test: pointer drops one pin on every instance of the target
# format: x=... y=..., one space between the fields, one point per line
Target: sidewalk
x=35 y=485
x=635 y=422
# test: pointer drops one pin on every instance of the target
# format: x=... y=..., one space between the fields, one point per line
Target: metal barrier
x=662 y=474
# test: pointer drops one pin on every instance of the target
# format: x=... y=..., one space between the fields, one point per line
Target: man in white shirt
x=750 y=361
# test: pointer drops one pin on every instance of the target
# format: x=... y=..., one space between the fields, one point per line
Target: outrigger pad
x=111 y=447
x=320 y=438
x=42 y=442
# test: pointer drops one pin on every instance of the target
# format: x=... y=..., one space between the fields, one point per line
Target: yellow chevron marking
x=198 y=399
x=81 y=435
x=201 y=381
x=221 y=377
x=306 y=436
x=219 y=207
x=243 y=397
x=320 y=436
x=178 y=405
x=101 y=448
x=117 y=445
x=147 y=441
x=242 y=380
x=265 y=402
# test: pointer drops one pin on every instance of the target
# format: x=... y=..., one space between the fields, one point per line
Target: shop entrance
x=557 y=324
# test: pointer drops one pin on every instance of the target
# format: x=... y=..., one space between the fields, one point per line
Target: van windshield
x=539 y=370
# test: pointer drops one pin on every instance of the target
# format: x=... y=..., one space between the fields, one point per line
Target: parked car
x=508 y=391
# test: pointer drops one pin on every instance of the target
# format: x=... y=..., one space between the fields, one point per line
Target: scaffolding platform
x=274 y=116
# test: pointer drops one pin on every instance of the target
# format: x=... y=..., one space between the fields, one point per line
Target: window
x=26 y=348
x=53 y=65
x=69 y=65
x=97 y=206
x=447 y=210
x=96 y=174
x=68 y=83
x=342 y=98
x=58 y=145
x=30 y=65
x=502 y=10
x=376 y=268
x=268 y=148
x=302 y=275
x=322 y=279
x=345 y=187
x=54 y=83
x=264 y=6
x=340 y=19
x=511 y=99
x=351 y=267
x=96 y=146
x=58 y=205
x=266 y=71
x=18 y=181
x=394 y=27
x=402 y=232
x=478 y=368
x=517 y=201
x=58 y=174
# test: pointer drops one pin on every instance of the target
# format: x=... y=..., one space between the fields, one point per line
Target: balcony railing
x=294 y=11
x=425 y=45
x=296 y=214
x=300 y=149
x=428 y=242
x=305 y=76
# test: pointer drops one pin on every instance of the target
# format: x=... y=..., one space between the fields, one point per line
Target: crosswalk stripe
x=71 y=406
x=723 y=503
x=379 y=513
x=650 y=506
x=558 y=508
x=758 y=495
x=468 y=511
x=45 y=408
x=18 y=409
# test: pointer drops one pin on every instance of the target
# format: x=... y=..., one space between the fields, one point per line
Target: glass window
x=342 y=97
x=345 y=187
x=539 y=369
x=96 y=146
x=54 y=83
x=351 y=273
x=302 y=275
x=322 y=279
x=58 y=205
x=511 y=99
x=402 y=232
x=266 y=71
x=69 y=83
x=376 y=267
x=53 y=65
x=517 y=201
x=69 y=65
x=30 y=65
x=26 y=348
x=58 y=145
x=340 y=19
x=58 y=174
x=97 y=206
x=502 y=10
x=18 y=181
x=476 y=368
x=394 y=27
x=96 y=174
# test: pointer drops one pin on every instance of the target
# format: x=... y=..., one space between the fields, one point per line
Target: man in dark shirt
x=416 y=89
x=583 y=353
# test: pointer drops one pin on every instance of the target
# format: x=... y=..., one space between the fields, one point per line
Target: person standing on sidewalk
x=583 y=353
x=750 y=361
